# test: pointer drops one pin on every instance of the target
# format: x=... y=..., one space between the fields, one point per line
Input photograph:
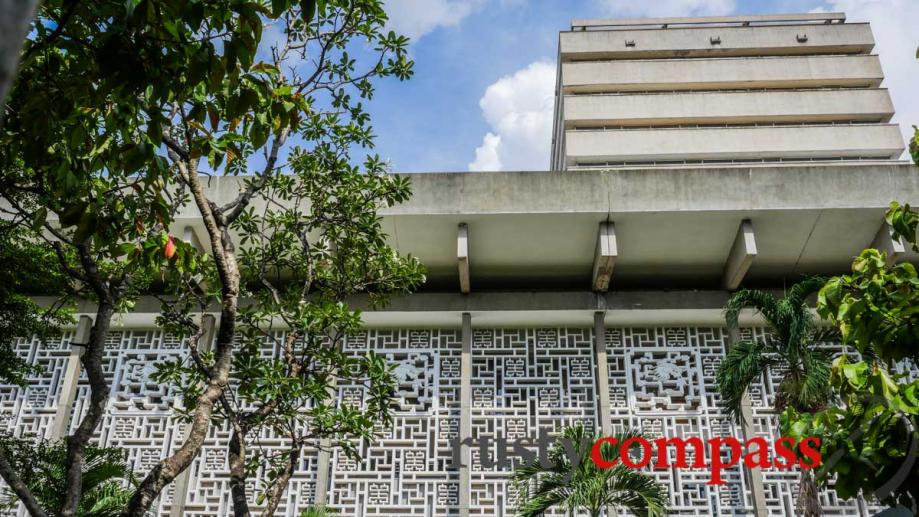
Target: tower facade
x=720 y=90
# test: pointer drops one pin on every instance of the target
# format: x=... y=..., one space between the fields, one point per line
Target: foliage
x=792 y=348
x=106 y=477
x=876 y=307
x=314 y=240
x=869 y=441
x=870 y=437
x=914 y=145
x=140 y=100
x=586 y=486
x=318 y=511
x=29 y=268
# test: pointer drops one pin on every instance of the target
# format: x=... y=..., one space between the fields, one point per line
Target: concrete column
x=754 y=476
x=71 y=378
x=604 y=414
x=465 y=431
x=323 y=472
x=324 y=461
x=183 y=480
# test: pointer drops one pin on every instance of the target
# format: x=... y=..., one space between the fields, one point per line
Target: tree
x=141 y=100
x=29 y=268
x=871 y=434
x=106 y=477
x=586 y=486
x=792 y=348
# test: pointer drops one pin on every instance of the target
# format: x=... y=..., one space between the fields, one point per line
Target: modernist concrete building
x=690 y=157
x=720 y=90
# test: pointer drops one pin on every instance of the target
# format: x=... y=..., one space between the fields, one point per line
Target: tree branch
x=19 y=488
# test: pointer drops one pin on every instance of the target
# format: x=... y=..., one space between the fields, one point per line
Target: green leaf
x=38 y=221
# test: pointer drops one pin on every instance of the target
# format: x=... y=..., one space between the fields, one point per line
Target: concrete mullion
x=602 y=371
x=754 y=476
x=465 y=431
x=71 y=380
x=183 y=480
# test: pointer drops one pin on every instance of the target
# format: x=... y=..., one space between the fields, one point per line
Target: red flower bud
x=170 y=247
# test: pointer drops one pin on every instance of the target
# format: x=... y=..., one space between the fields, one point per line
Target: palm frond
x=318 y=511
x=106 y=500
x=760 y=301
x=743 y=365
x=636 y=492
x=799 y=292
x=586 y=486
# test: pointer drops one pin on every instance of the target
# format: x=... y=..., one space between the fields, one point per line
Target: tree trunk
x=808 y=503
x=15 y=19
x=236 y=457
x=98 y=397
x=280 y=484
x=19 y=488
x=228 y=271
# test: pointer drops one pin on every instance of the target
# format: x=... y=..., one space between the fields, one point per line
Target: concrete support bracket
x=604 y=256
x=885 y=241
x=190 y=236
x=743 y=251
x=462 y=257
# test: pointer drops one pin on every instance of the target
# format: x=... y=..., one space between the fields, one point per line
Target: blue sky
x=485 y=70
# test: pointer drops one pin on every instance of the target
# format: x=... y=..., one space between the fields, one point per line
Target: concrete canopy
x=675 y=226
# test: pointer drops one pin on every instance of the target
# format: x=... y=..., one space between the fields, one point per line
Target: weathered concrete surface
x=722 y=73
x=807 y=106
x=878 y=141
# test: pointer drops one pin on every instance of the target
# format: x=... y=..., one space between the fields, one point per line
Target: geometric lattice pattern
x=407 y=471
x=524 y=381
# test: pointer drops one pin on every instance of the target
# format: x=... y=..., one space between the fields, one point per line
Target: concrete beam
x=462 y=257
x=885 y=241
x=68 y=392
x=741 y=256
x=604 y=256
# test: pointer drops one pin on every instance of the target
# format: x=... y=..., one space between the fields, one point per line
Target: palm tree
x=318 y=511
x=586 y=486
x=107 y=480
x=792 y=349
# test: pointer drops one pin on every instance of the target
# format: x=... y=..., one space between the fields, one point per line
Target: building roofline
x=614 y=23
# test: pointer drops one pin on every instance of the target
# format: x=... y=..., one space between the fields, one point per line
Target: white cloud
x=518 y=108
x=894 y=25
x=652 y=8
x=415 y=18
x=486 y=155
